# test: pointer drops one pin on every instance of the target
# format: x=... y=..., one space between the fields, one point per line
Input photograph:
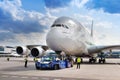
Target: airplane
x=14 y=54
x=8 y=51
x=69 y=36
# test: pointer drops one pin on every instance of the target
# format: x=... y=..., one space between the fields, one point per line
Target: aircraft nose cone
x=53 y=39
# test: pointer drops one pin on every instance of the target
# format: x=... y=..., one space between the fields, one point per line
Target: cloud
x=105 y=25
x=32 y=38
x=56 y=3
x=56 y=6
x=106 y=39
x=110 y=6
x=23 y=39
x=5 y=35
x=21 y=26
x=78 y=3
x=15 y=19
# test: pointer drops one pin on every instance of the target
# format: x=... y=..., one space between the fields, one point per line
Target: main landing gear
x=70 y=59
x=92 y=60
x=102 y=58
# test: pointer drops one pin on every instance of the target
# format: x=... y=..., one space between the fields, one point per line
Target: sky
x=24 y=22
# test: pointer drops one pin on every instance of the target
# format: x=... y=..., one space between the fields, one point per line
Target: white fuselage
x=69 y=36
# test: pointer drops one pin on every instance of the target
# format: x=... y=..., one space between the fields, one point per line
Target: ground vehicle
x=52 y=62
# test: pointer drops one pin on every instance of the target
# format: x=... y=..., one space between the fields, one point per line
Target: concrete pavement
x=14 y=69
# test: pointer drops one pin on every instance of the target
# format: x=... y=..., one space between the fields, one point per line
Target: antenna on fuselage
x=92 y=29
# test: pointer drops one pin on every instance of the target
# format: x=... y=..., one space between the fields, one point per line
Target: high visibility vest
x=78 y=60
x=25 y=59
x=36 y=59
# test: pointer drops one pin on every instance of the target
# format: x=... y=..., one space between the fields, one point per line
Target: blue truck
x=52 y=62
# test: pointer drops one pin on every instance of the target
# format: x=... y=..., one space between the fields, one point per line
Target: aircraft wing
x=98 y=49
x=44 y=47
x=34 y=50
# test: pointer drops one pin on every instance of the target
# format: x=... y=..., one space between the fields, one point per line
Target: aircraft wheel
x=90 y=60
x=94 y=60
x=99 y=60
x=104 y=61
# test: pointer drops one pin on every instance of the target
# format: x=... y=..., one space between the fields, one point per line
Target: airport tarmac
x=15 y=70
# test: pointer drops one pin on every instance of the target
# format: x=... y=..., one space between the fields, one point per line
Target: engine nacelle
x=22 y=50
x=37 y=51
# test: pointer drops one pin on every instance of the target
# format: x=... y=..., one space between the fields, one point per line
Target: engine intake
x=37 y=51
x=21 y=50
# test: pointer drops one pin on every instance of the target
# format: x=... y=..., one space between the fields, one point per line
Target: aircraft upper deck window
x=56 y=25
x=59 y=25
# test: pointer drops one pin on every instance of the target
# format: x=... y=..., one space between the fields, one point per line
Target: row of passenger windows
x=60 y=25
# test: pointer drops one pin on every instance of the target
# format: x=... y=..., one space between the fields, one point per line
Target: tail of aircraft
x=92 y=29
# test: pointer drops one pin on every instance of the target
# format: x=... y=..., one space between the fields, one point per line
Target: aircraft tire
x=90 y=60
x=104 y=61
x=99 y=60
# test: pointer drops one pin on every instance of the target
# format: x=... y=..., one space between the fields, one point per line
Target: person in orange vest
x=78 y=62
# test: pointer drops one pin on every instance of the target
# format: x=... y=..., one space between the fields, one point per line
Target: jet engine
x=37 y=51
x=22 y=50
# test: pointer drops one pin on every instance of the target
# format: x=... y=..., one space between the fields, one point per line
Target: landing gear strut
x=102 y=58
x=70 y=59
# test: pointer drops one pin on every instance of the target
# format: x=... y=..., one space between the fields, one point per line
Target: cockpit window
x=53 y=26
x=56 y=25
x=60 y=25
x=65 y=26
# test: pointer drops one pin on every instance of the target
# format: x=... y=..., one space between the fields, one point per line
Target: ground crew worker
x=35 y=59
x=26 y=60
x=8 y=58
x=78 y=62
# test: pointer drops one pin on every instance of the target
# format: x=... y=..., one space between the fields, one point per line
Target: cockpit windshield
x=60 y=25
x=46 y=58
x=49 y=56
